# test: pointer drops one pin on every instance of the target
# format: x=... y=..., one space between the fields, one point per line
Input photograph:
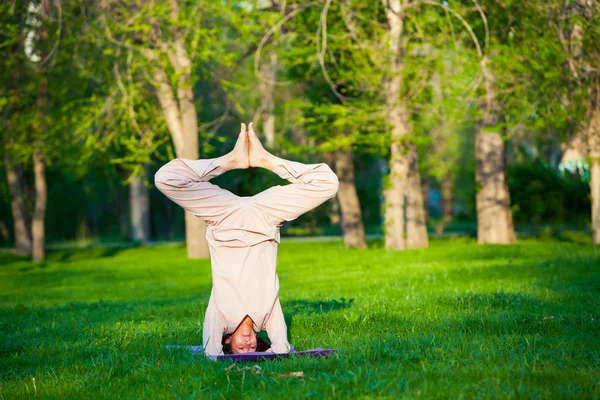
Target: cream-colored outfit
x=242 y=235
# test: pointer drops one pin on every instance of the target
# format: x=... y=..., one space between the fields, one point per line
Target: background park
x=458 y=260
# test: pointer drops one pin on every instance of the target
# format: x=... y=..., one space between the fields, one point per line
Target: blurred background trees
x=478 y=117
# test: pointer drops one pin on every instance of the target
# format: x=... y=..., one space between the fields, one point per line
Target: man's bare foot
x=238 y=157
x=258 y=156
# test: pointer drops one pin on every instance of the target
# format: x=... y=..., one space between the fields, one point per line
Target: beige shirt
x=242 y=235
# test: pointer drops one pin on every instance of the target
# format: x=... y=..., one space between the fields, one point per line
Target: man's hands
x=238 y=157
x=249 y=152
x=257 y=155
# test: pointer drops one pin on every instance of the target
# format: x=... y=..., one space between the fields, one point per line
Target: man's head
x=243 y=340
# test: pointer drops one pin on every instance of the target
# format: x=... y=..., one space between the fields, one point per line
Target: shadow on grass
x=295 y=307
x=66 y=323
x=307 y=307
x=498 y=300
x=88 y=253
x=7 y=259
x=580 y=238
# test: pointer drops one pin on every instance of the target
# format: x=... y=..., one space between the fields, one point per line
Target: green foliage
x=102 y=121
x=539 y=194
x=456 y=320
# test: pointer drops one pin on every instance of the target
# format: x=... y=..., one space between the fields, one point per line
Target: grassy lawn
x=457 y=320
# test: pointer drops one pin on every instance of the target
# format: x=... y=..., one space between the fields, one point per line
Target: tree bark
x=425 y=186
x=120 y=205
x=397 y=118
x=267 y=89
x=447 y=187
x=595 y=191
x=334 y=213
x=139 y=208
x=186 y=146
x=334 y=204
x=404 y=186
x=416 y=228
x=38 y=226
x=394 y=191
x=494 y=217
x=17 y=203
x=593 y=136
x=38 y=232
x=352 y=224
x=182 y=121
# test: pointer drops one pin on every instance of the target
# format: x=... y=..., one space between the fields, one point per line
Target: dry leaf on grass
x=256 y=370
x=299 y=374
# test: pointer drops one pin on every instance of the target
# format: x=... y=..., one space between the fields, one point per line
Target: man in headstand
x=242 y=235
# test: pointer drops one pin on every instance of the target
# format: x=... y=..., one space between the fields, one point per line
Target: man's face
x=243 y=340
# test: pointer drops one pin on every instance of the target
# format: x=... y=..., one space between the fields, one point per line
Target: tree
x=576 y=23
x=445 y=120
x=26 y=102
x=328 y=119
x=404 y=198
x=169 y=41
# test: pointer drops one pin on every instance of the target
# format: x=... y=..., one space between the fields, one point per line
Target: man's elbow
x=330 y=181
x=160 y=178
x=167 y=175
x=333 y=184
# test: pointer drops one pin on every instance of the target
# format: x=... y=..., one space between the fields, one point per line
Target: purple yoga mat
x=319 y=352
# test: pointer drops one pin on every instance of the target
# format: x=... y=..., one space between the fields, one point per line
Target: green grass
x=457 y=320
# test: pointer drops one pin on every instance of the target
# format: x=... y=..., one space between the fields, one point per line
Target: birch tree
x=170 y=41
x=32 y=34
x=577 y=25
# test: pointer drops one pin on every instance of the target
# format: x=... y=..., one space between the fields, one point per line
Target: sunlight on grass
x=456 y=320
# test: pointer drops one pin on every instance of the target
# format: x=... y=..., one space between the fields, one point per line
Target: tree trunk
x=139 y=208
x=120 y=205
x=352 y=224
x=334 y=213
x=169 y=212
x=39 y=212
x=595 y=191
x=4 y=232
x=494 y=217
x=425 y=186
x=416 y=228
x=404 y=186
x=334 y=204
x=394 y=191
x=17 y=203
x=182 y=121
x=447 y=204
x=267 y=89
x=594 y=152
x=38 y=226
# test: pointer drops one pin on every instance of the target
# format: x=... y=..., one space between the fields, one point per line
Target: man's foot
x=257 y=155
x=238 y=157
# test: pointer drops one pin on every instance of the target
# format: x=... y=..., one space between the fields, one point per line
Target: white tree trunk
x=139 y=208
x=416 y=228
x=593 y=136
x=595 y=190
x=39 y=212
x=404 y=212
x=352 y=224
x=267 y=91
x=447 y=189
x=182 y=120
x=395 y=187
x=19 y=213
x=494 y=217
